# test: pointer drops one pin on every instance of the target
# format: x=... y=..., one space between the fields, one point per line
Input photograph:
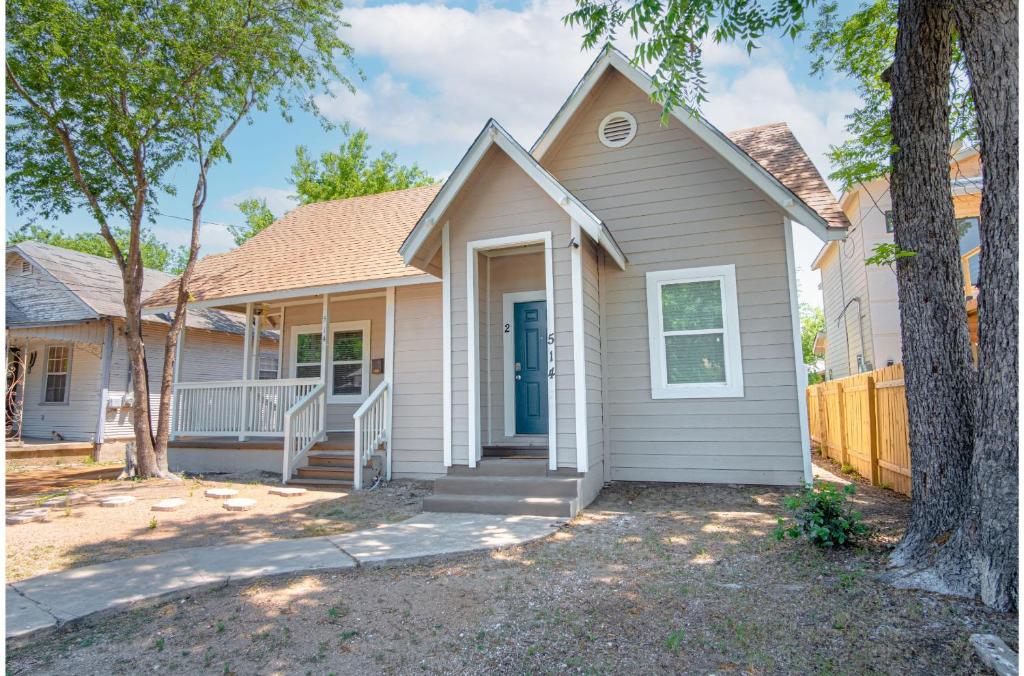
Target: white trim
x=579 y=366
x=490 y=356
x=629 y=137
x=446 y=343
x=494 y=134
x=108 y=348
x=335 y=299
x=472 y=336
x=327 y=373
x=798 y=357
x=247 y=340
x=700 y=127
x=70 y=347
x=508 y=345
x=280 y=342
x=389 y=370
x=606 y=437
x=660 y=387
x=270 y=296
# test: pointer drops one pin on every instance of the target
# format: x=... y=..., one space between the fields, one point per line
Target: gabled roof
x=315 y=247
x=493 y=134
x=96 y=282
x=782 y=182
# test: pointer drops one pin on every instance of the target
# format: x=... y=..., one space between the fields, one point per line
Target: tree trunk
x=982 y=558
x=141 y=422
x=936 y=348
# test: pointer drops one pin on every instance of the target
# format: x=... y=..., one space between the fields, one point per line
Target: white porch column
x=389 y=369
x=244 y=394
x=178 y=349
x=325 y=353
x=108 y=340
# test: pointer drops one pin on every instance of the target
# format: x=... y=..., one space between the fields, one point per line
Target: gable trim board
x=793 y=206
x=493 y=134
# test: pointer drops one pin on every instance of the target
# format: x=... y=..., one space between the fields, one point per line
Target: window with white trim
x=58 y=367
x=348 y=374
x=693 y=324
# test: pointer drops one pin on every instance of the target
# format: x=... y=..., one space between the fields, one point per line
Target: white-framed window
x=694 y=331
x=348 y=373
x=56 y=375
x=268 y=366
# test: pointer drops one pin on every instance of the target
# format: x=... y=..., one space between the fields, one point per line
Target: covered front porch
x=324 y=402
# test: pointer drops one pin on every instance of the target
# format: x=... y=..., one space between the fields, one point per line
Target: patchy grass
x=86 y=533
x=650 y=578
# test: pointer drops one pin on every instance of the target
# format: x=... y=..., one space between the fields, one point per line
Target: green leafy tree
x=258 y=218
x=812 y=322
x=349 y=172
x=156 y=255
x=107 y=98
x=964 y=448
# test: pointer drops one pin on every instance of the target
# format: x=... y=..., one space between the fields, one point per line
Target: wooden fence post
x=872 y=430
x=844 y=456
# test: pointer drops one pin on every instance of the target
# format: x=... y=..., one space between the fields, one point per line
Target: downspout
x=101 y=418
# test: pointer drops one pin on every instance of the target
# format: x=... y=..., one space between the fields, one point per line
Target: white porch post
x=178 y=349
x=446 y=343
x=108 y=340
x=243 y=397
x=325 y=352
x=389 y=370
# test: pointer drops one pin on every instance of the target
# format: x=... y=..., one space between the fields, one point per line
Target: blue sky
x=436 y=71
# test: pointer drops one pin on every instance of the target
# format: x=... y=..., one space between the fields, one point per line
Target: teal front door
x=530 y=367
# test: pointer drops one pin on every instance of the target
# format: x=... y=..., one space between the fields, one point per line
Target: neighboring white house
x=618 y=303
x=65 y=320
x=861 y=303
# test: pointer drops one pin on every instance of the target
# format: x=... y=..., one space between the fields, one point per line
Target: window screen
x=693 y=327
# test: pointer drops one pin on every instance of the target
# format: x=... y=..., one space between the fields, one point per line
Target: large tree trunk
x=936 y=349
x=982 y=558
x=141 y=422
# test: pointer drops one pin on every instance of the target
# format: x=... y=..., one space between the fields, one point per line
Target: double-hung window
x=693 y=324
x=348 y=370
x=58 y=368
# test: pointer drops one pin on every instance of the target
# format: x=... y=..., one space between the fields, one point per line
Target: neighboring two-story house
x=862 y=318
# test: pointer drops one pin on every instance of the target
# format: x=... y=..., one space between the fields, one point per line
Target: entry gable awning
x=493 y=134
x=821 y=215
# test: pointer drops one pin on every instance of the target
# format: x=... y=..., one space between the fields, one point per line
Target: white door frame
x=473 y=334
x=508 y=340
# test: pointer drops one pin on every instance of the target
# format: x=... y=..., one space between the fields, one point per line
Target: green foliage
x=812 y=322
x=350 y=172
x=888 y=254
x=673 y=33
x=820 y=514
x=107 y=97
x=675 y=639
x=861 y=46
x=155 y=254
x=258 y=218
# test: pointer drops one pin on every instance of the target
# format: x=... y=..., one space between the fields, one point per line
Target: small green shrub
x=821 y=515
x=848 y=469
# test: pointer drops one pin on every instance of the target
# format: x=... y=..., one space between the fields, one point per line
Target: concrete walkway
x=39 y=605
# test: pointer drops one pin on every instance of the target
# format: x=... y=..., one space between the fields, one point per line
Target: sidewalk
x=41 y=604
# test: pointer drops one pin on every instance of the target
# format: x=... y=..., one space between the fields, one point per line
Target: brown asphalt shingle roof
x=774 y=147
x=357 y=239
x=320 y=244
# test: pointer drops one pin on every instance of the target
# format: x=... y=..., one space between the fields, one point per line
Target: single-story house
x=68 y=373
x=617 y=303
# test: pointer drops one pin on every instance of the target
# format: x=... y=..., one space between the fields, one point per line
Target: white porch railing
x=371 y=428
x=229 y=408
x=305 y=423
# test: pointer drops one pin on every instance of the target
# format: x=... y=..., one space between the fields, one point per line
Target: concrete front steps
x=507 y=486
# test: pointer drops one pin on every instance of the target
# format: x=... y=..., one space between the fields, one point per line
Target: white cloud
x=279 y=200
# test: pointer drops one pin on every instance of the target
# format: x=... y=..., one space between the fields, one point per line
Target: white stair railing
x=371 y=429
x=305 y=423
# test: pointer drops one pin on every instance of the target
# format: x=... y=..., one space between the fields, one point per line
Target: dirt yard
x=88 y=533
x=650 y=578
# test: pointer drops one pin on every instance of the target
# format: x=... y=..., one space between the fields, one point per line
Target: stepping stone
x=995 y=654
x=220 y=492
x=67 y=500
x=168 y=505
x=28 y=515
x=117 y=501
x=287 y=491
x=239 y=504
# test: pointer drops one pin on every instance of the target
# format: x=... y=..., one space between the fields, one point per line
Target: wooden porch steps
x=327 y=464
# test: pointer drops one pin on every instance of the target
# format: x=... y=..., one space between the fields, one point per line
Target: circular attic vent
x=617 y=129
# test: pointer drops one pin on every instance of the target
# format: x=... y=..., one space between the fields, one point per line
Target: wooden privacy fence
x=861 y=421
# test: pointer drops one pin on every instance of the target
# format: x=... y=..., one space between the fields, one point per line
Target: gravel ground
x=650 y=578
x=87 y=533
